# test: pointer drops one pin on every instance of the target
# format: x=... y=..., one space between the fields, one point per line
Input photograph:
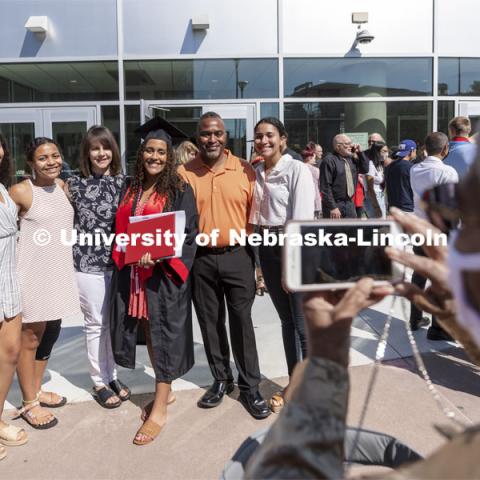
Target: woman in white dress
x=10 y=308
x=45 y=266
x=375 y=198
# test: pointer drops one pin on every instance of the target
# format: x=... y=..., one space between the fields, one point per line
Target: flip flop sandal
x=3 y=452
x=31 y=418
x=59 y=404
x=117 y=386
x=102 y=395
x=147 y=409
x=149 y=429
x=277 y=402
x=9 y=436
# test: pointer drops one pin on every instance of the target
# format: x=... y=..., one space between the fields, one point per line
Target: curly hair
x=6 y=170
x=168 y=181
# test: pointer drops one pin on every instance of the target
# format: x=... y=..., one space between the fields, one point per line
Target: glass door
x=66 y=125
x=20 y=126
x=239 y=121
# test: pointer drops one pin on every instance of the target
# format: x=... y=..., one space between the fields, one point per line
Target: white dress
x=10 y=304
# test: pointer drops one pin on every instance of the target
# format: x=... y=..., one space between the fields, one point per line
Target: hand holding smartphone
x=334 y=254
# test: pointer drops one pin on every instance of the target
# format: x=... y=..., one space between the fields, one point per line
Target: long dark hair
x=6 y=168
x=105 y=137
x=168 y=181
x=373 y=153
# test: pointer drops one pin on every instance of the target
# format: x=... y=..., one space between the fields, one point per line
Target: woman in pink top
x=308 y=156
x=45 y=268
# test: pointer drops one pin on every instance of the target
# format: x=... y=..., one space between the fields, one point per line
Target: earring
x=33 y=174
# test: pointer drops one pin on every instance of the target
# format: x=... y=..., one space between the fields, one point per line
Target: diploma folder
x=155 y=225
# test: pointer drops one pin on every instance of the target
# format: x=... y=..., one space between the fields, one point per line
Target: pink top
x=45 y=263
x=316 y=182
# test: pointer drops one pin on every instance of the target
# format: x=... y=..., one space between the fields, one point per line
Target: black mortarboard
x=161 y=129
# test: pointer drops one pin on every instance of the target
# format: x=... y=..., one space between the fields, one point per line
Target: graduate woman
x=155 y=295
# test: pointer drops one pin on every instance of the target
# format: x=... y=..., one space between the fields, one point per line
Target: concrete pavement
x=93 y=443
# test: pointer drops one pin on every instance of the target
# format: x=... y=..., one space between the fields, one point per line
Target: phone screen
x=339 y=264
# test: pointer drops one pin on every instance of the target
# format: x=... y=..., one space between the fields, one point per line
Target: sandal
x=147 y=409
x=277 y=402
x=149 y=429
x=13 y=436
x=34 y=420
x=3 y=452
x=61 y=403
x=102 y=395
x=117 y=386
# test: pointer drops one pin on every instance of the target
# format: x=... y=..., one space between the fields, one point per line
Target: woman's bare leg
x=158 y=413
x=31 y=337
x=10 y=345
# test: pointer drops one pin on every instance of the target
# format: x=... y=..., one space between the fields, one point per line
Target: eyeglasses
x=345 y=144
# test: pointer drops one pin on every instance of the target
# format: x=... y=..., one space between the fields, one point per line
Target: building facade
x=120 y=62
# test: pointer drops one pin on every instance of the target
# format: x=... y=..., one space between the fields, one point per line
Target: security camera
x=364 y=37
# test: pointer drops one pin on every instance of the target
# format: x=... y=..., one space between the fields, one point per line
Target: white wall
x=321 y=27
x=458 y=27
x=237 y=28
x=78 y=28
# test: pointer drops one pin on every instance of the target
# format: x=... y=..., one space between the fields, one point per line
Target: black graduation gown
x=169 y=308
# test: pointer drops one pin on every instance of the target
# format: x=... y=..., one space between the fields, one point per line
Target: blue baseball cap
x=405 y=148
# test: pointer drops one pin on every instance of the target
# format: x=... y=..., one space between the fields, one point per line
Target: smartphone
x=334 y=254
x=441 y=205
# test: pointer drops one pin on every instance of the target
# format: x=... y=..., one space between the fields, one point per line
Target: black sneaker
x=436 y=334
x=416 y=324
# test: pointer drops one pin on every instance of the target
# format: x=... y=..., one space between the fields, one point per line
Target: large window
x=201 y=79
x=357 y=77
x=132 y=121
x=320 y=122
x=446 y=111
x=58 y=82
x=459 y=76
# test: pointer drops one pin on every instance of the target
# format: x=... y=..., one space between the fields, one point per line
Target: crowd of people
x=151 y=300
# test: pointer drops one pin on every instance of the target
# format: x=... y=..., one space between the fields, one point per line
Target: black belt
x=218 y=250
x=271 y=228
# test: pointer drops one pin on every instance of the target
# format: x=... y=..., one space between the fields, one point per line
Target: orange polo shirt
x=224 y=197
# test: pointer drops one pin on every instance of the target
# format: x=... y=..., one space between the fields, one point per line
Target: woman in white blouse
x=375 y=198
x=283 y=191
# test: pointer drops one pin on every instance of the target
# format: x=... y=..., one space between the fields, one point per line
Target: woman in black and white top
x=95 y=196
x=283 y=191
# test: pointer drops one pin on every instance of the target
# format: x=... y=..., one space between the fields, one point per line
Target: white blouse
x=285 y=193
x=377 y=176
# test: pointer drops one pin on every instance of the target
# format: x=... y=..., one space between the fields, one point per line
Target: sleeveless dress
x=9 y=291
x=45 y=268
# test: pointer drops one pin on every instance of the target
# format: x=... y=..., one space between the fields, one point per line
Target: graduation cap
x=161 y=129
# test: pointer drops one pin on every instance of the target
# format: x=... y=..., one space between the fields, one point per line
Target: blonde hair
x=183 y=151
x=460 y=126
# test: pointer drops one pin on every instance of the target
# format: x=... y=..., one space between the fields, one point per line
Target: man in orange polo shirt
x=223 y=186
